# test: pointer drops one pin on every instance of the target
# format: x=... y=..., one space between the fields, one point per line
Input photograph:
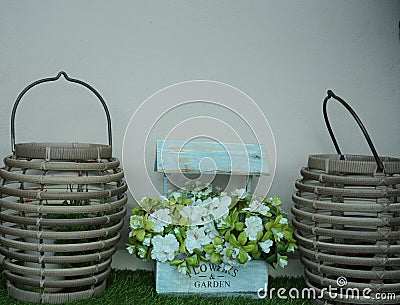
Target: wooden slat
x=211 y=157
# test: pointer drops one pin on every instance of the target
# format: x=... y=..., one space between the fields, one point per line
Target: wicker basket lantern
x=346 y=215
x=61 y=209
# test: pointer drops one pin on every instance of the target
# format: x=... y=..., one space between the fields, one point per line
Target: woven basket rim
x=63 y=151
x=353 y=164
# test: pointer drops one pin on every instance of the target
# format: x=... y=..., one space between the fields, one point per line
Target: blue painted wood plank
x=209 y=279
x=211 y=157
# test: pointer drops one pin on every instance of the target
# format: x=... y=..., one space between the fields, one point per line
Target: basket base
x=53 y=298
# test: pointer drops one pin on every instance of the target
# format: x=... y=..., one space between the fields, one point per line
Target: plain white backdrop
x=284 y=55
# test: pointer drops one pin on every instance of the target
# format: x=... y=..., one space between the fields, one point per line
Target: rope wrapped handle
x=360 y=124
x=52 y=79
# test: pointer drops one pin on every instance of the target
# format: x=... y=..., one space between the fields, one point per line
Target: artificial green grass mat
x=127 y=287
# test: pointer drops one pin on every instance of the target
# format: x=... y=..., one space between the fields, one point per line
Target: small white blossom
x=253 y=226
x=161 y=219
x=211 y=230
x=256 y=206
x=130 y=249
x=195 y=214
x=136 y=222
x=235 y=252
x=147 y=241
x=282 y=262
x=164 y=248
x=283 y=221
x=278 y=235
x=219 y=207
x=219 y=249
x=196 y=238
x=142 y=252
x=266 y=245
x=240 y=193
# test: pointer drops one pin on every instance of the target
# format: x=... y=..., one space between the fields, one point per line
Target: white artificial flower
x=164 y=248
x=278 y=235
x=240 y=193
x=229 y=262
x=253 y=226
x=219 y=207
x=195 y=214
x=266 y=245
x=176 y=195
x=256 y=206
x=161 y=219
x=130 y=249
x=219 y=249
x=211 y=230
x=142 y=252
x=291 y=248
x=147 y=241
x=282 y=262
x=136 y=222
x=283 y=221
x=196 y=238
x=221 y=223
x=234 y=252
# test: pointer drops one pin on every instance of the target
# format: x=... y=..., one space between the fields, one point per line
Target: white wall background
x=284 y=55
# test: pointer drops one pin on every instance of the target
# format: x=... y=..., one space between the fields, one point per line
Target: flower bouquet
x=199 y=223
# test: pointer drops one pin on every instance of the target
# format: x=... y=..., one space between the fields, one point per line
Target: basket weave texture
x=346 y=215
x=62 y=206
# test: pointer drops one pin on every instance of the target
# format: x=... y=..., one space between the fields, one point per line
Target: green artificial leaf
x=149 y=225
x=271 y=259
x=233 y=241
x=248 y=248
x=197 y=251
x=256 y=255
x=218 y=240
x=182 y=247
x=259 y=235
x=242 y=257
x=215 y=258
x=239 y=226
x=191 y=260
x=227 y=235
x=140 y=235
x=242 y=238
x=210 y=248
x=267 y=235
x=176 y=262
x=256 y=249
x=280 y=248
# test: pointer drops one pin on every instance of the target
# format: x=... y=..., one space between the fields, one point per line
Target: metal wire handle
x=360 y=124
x=51 y=79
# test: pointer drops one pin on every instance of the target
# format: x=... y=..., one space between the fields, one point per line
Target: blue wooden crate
x=210 y=158
x=228 y=158
x=208 y=279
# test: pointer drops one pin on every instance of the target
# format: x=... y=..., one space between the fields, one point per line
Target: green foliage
x=251 y=228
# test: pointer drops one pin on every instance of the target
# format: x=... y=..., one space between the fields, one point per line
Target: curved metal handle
x=51 y=79
x=360 y=124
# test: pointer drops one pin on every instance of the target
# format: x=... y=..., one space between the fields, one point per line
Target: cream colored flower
x=253 y=226
x=164 y=248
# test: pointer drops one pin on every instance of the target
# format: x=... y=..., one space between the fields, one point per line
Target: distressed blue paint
x=244 y=281
x=211 y=157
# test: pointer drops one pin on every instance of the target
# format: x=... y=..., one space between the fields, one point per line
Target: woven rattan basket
x=62 y=206
x=346 y=215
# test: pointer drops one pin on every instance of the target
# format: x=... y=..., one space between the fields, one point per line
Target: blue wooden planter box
x=209 y=280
